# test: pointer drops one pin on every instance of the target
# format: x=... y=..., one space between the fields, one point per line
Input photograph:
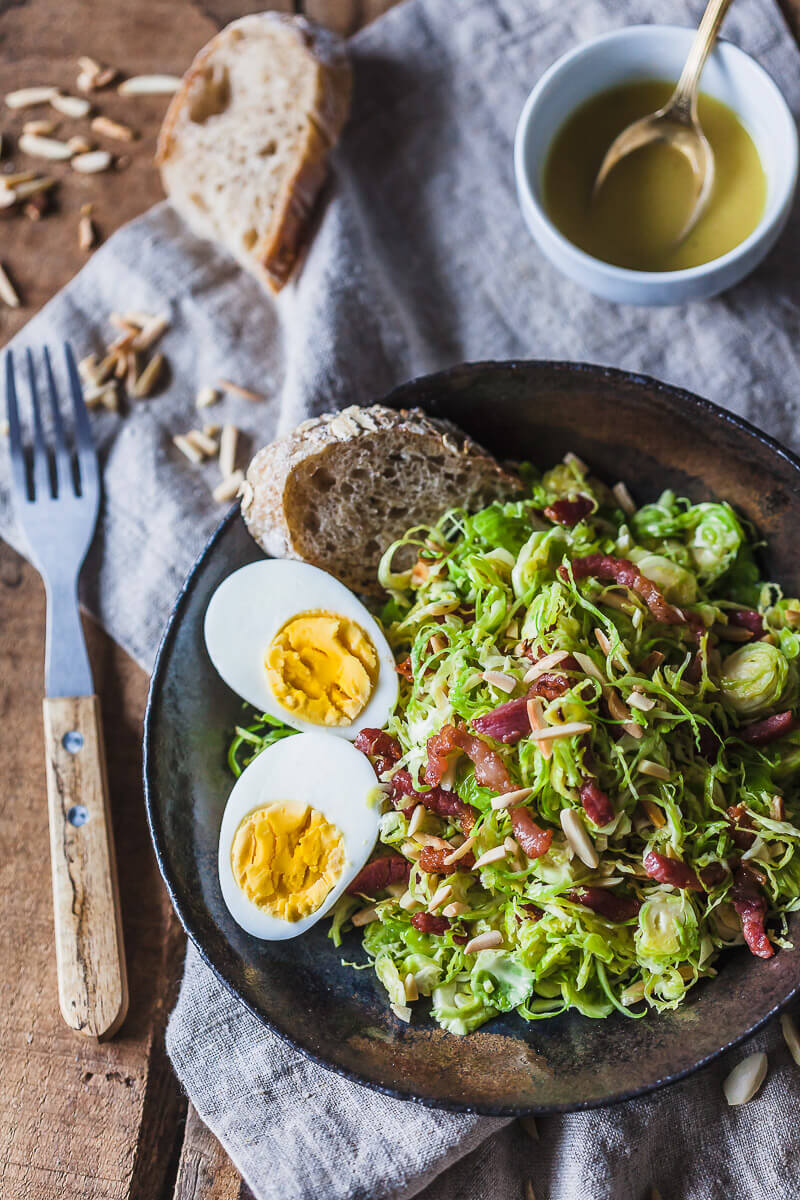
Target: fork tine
x=19 y=474
x=42 y=485
x=64 y=475
x=87 y=456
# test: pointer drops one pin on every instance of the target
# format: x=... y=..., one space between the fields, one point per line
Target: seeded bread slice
x=341 y=488
x=244 y=145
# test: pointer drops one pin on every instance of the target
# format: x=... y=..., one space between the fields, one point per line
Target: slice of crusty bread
x=244 y=145
x=339 y=489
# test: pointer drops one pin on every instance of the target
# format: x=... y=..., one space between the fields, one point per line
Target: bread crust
x=274 y=515
x=274 y=254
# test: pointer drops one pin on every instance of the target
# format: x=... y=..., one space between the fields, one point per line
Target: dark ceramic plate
x=627 y=427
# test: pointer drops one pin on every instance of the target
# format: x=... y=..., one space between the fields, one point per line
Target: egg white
x=308 y=768
x=255 y=602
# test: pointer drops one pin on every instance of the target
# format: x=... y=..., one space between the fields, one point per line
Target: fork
x=56 y=497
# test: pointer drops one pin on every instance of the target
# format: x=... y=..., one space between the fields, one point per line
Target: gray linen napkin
x=421 y=259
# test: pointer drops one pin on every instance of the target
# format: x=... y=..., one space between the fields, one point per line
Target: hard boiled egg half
x=299 y=825
x=294 y=642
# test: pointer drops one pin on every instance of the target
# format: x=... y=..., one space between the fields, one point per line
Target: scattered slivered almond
x=602 y=641
x=212 y=430
x=150 y=376
x=623 y=498
x=86 y=232
x=104 y=394
x=578 y=838
x=227 y=385
x=544 y=664
x=572 y=460
x=536 y=719
x=150 y=332
x=38 y=128
x=568 y=729
x=8 y=197
x=43 y=147
x=149 y=85
x=745 y=1079
x=229 y=487
x=655 y=770
x=227 y=449
x=484 y=941
x=490 y=856
x=430 y=839
x=17 y=177
x=26 y=97
x=732 y=633
x=507 y=799
x=205 y=444
x=416 y=819
x=500 y=680
x=460 y=852
x=791 y=1036
x=410 y=986
x=587 y=664
x=456 y=909
x=113 y=129
x=640 y=701
x=407 y=902
x=8 y=293
x=70 y=106
x=185 y=446
x=92 y=162
x=401 y=1011
x=79 y=145
x=206 y=396
x=438 y=898
x=654 y=813
x=364 y=916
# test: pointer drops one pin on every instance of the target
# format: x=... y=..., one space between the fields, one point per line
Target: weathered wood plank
x=205 y=1171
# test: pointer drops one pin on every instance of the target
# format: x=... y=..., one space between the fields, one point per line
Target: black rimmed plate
x=627 y=427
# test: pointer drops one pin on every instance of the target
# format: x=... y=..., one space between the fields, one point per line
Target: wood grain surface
x=96 y=1121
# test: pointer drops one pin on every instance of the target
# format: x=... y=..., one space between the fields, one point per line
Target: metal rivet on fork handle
x=72 y=741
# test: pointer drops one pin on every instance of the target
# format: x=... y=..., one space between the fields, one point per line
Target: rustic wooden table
x=96 y=1121
x=82 y=1119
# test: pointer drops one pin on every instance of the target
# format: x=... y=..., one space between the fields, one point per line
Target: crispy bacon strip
x=622 y=571
x=596 y=803
x=404 y=668
x=713 y=875
x=431 y=859
x=569 y=512
x=437 y=800
x=751 y=905
x=531 y=911
x=747 y=618
x=550 y=685
x=741 y=826
x=382 y=749
x=672 y=871
x=534 y=840
x=490 y=770
x=509 y=722
x=378 y=874
x=428 y=923
x=761 y=733
x=606 y=903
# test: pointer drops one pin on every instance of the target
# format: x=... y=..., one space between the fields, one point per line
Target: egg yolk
x=322 y=667
x=286 y=858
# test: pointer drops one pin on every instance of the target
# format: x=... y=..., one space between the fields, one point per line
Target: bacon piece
x=741 y=826
x=550 y=686
x=437 y=800
x=649 y=663
x=460 y=939
x=713 y=875
x=569 y=512
x=507 y=723
x=404 y=668
x=747 y=618
x=567 y=664
x=378 y=874
x=402 y=786
x=694 y=671
x=672 y=871
x=382 y=749
x=534 y=840
x=709 y=743
x=622 y=571
x=761 y=733
x=606 y=903
x=596 y=803
x=751 y=905
x=431 y=859
x=428 y=923
x=490 y=770
x=531 y=911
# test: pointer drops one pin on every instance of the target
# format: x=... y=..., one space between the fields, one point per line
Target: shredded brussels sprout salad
x=590 y=772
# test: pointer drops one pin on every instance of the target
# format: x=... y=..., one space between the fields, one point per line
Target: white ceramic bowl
x=656 y=52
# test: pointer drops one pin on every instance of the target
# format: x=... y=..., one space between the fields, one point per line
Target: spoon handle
x=684 y=98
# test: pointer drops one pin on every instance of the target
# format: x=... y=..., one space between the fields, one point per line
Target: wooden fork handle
x=90 y=955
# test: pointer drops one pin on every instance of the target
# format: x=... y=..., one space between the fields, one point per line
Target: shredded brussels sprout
x=668 y=706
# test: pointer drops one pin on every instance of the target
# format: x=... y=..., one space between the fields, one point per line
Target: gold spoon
x=677 y=123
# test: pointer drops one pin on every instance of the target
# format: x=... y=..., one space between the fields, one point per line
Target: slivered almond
x=149 y=85
x=364 y=916
x=430 y=839
x=776 y=808
x=455 y=909
x=633 y=993
x=113 y=129
x=640 y=701
x=544 y=664
x=536 y=720
x=407 y=902
x=8 y=293
x=572 y=460
x=205 y=397
x=438 y=644
x=87 y=368
x=227 y=449
x=439 y=896
x=149 y=378
x=38 y=128
x=43 y=147
x=185 y=446
x=211 y=430
x=493 y=855
x=122 y=366
x=578 y=838
x=410 y=985
x=70 y=106
x=410 y=850
x=568 y=729
x=745 y=1079
x=132 y=372
x=623 y=498
x=229 y=487
x=416 y=819
x=507 y=799
x=228 y=385
x=587 y=664
x=460 y=852
x=401 y=1011
x=618 y=709
x=25 y=97
x=484 y=941
x=501 y=681
x=602 y=641
x=732 y=633
x=117 y=319
x=8 y=197
x=13 y=179
x=206 y=445
x=150 y=332
x=791 y=1036
x=92 y=162
x=511 y=845
x=79 y=145
x=104 y=394
x=86 y=232
x=653 y=769
x=634 y=730
x=654 y=813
